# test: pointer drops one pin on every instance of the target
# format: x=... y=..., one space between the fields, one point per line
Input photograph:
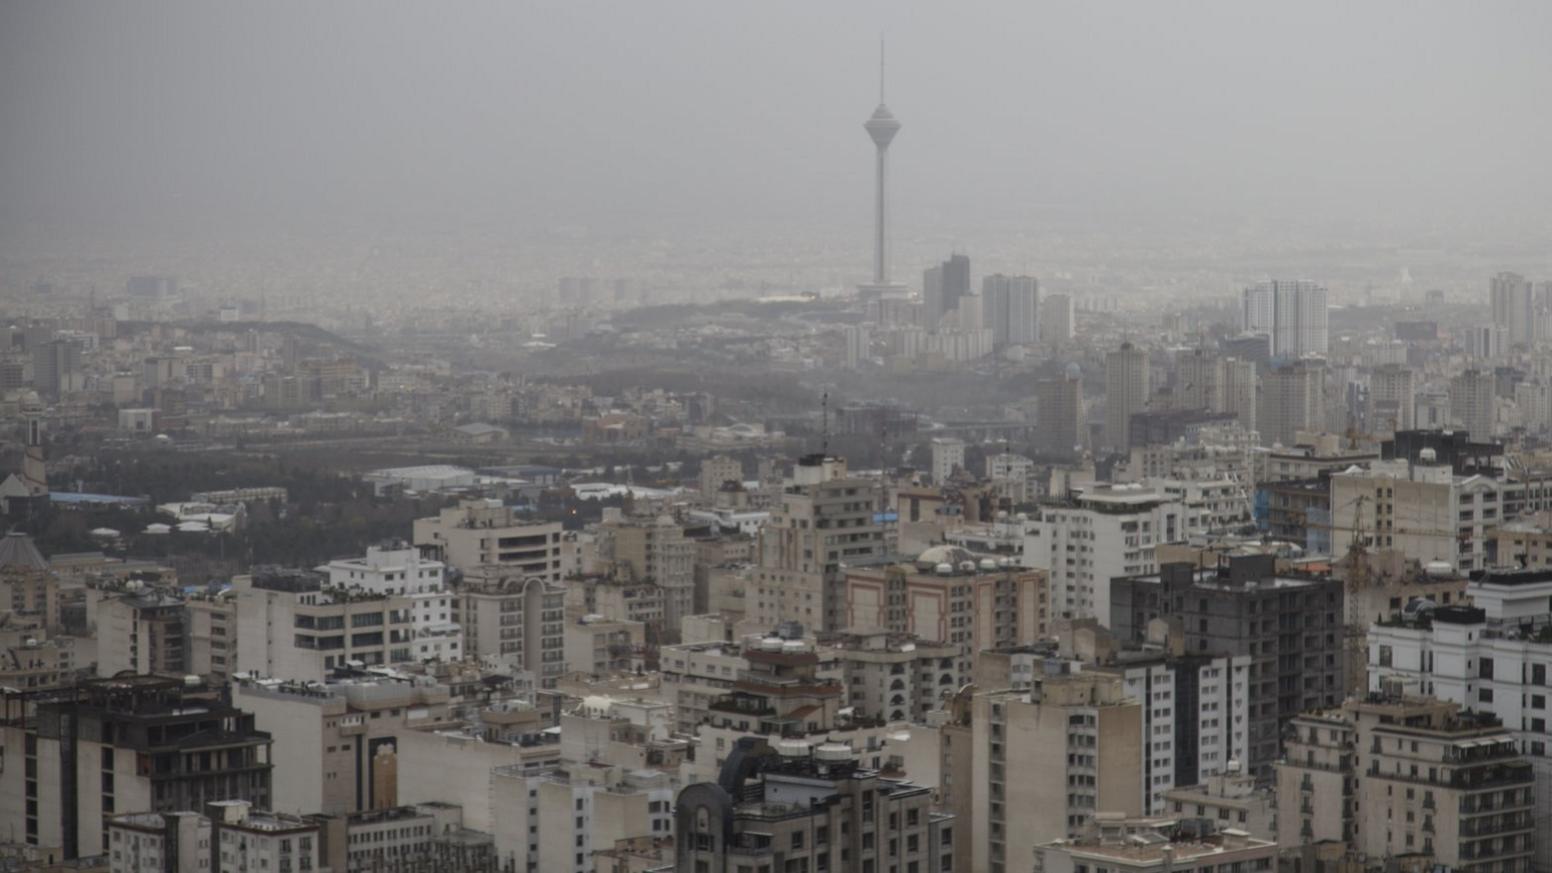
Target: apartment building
x=511 y=616
x=335 y=737
x=292 y=625
x=1195 y=722
x=656 y=551
x=1157 y=846
x=594 y=644
x=1398 y=776
x=1099 y=534
x=1291 y=627
x=480 y=532
x=210 y=632
x=1493 y=657
x=32 y=661
x=557 y=819
x=1082 y=733
x=401 y=571
x=893 y=677
x=948 y=598
x=421 y=838
x=1428 y=510
x=808 y=807
x=131 y=743
x=1524 y=542
x=825 y=519
x=159 y=842
x=1231 y=799
x=227 y=836
x=139 y=630
x=694 y=675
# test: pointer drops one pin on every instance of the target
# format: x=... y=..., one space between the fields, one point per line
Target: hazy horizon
x=186 y=119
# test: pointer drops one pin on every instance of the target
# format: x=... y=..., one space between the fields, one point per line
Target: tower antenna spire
x=881 y=68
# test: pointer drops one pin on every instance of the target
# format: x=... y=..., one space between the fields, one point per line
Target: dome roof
x=951 y=555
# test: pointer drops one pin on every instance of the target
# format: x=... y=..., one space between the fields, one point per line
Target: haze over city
x=696 y=437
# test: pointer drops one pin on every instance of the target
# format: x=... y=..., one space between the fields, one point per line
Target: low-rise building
x=594 y=644
x=1156 y=846
x=1232 y=800
x=423 y=838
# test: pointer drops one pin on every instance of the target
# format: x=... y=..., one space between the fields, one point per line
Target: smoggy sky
x=220 y=117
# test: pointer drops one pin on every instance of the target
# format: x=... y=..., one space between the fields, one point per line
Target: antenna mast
x=881 y=68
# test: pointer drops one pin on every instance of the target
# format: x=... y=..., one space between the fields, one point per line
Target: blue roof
x=82 y=497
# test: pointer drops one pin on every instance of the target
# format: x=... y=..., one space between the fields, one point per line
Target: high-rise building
x=1292 y=313
x=106 y=746
x=825 y=518
x=1082 y=732
x=1056 y=321
x=1198 y=380
x=1486 y=342
x=1239 y=393
x=510 y=615
x=1482 y=658
x=948 y=455
x=1289 y=626
x=882 y=127
x=858 y=340
x=1126 y=393
x=1292 y=400
x=1101 y=534
x=1427 y=511
x=1011 y=308
x=944 y=287
x=1513 y=301
x=1392 y=399
x=1473 y=403
x=1059 y=430
x=333 y=737
x=54 y=364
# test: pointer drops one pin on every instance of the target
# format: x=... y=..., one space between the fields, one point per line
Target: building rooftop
x=17 y=552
